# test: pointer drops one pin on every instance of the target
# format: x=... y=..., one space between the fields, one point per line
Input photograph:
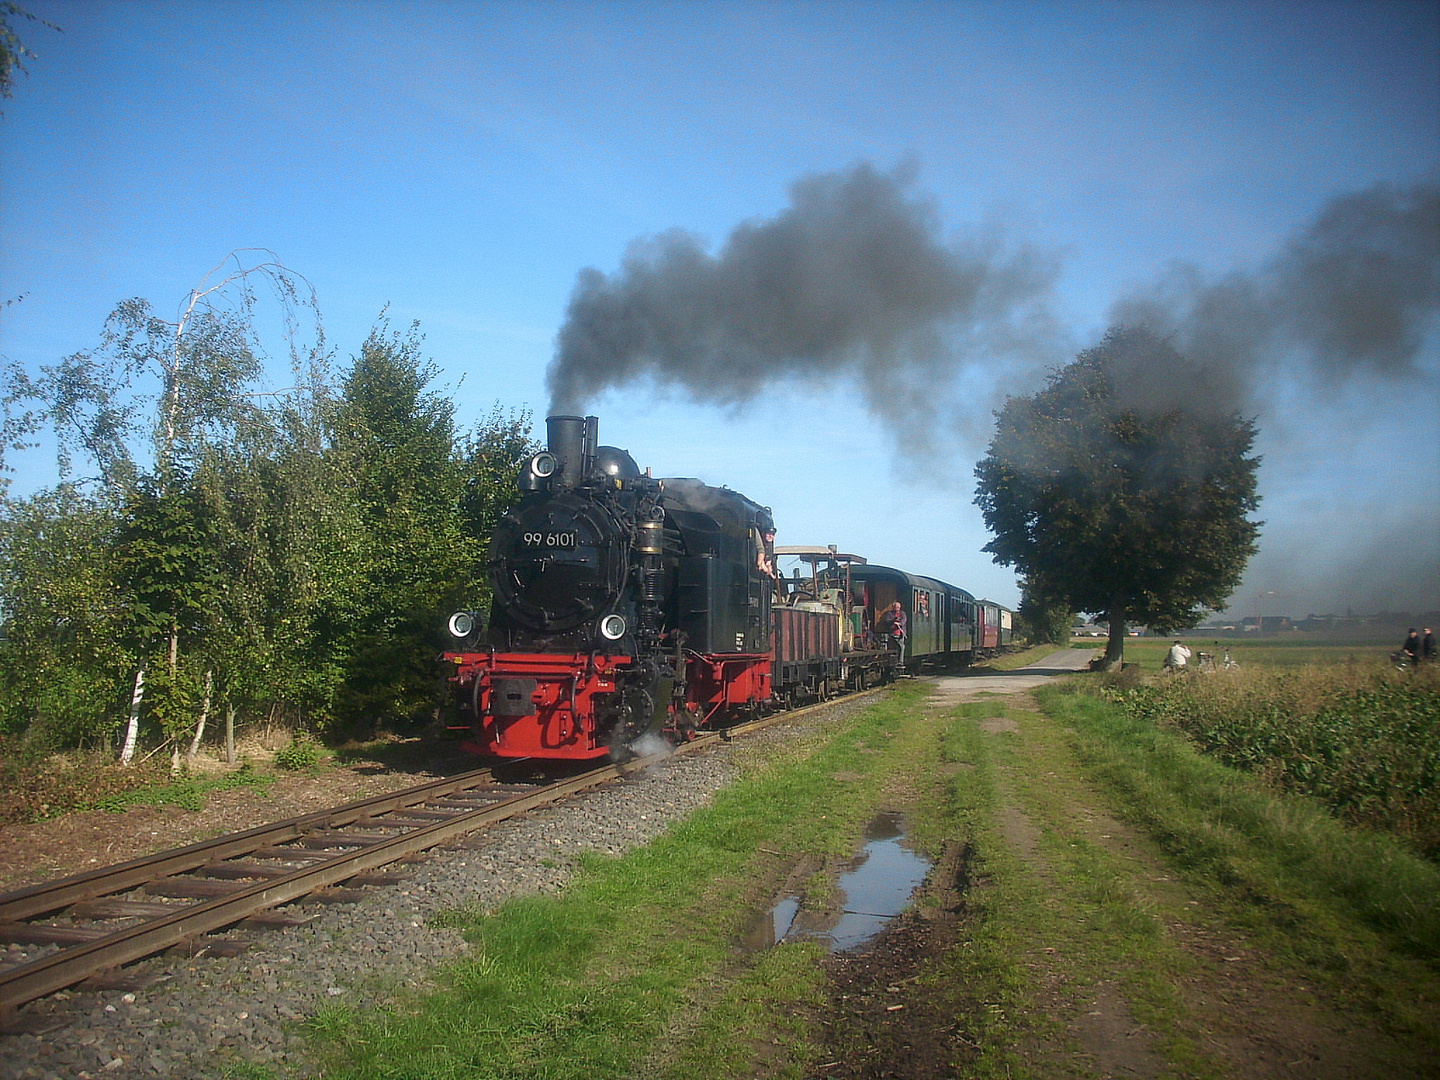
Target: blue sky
x=463 y=162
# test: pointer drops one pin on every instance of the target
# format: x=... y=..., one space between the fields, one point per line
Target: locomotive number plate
x=548 y=540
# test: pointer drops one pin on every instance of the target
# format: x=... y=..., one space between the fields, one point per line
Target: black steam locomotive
x=626 y=606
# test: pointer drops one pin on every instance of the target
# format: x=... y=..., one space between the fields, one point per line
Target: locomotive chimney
x=565 y=438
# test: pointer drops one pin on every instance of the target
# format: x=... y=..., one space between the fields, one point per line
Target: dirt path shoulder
x=1056 y=942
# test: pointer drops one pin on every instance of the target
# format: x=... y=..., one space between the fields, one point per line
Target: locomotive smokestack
x=568 y=438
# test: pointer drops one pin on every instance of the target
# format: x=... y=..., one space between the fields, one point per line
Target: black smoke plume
x=1328 y=341
x=853 y=278
x=1353 y=294
x=856 y=279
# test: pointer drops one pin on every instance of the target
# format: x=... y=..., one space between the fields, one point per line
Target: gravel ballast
x=200 y=1016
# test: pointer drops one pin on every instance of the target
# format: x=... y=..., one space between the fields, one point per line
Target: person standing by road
x=1427 y=646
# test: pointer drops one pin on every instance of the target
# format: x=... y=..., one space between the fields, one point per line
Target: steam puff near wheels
x=631 y=612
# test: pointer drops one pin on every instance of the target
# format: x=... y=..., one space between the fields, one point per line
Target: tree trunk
x=229 y=733
x=204 y=716
x=1115 y=647
x=132 y=729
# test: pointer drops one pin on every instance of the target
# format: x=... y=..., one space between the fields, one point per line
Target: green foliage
x=295 y=552
x=1044 y=620
x=13 y=52
x=63 y=667
x=1285 y=858
x=1121 y=488
x=300 y=753
x=1364 y=741
x=189 y=793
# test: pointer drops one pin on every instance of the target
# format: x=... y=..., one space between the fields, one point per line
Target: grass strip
x=1216 y=820
x=586 y=983
x=1052 y=915
x=1356 y=911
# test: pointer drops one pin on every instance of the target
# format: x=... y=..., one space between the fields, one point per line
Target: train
x=627 y=608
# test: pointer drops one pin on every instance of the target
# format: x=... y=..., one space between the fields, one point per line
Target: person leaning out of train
x=1177 y=657
x=765 y=553
x=892 y=626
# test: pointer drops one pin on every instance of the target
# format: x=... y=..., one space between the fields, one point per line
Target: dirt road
x=1058 y=942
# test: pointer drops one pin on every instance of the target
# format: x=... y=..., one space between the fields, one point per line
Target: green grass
x=635 y=963
x=1365 y=740
x=1284 y=652
x=1055 y=912
x=1011 y=661
x=1328 y=894
x=189 y=792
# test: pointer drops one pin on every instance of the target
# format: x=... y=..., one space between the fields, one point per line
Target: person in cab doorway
x=892 y=627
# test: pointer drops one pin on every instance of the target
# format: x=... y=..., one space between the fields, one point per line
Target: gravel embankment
x=200 y=1016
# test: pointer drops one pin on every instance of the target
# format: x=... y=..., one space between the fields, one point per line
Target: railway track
x=81 y=930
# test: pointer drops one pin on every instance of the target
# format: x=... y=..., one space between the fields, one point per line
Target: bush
x=1365 y=742
x=300 y=753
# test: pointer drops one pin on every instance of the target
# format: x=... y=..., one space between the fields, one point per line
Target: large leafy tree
x=150 y=428
x=394 y=442
x=1124 y=487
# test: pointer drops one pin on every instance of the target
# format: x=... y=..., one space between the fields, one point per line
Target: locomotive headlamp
x=462 y=624
x=612 y=627
x=544 y=464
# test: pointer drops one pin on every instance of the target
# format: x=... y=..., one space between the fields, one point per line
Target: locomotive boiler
x=622 y=605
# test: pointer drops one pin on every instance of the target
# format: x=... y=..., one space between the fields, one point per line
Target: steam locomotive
x=626 y=607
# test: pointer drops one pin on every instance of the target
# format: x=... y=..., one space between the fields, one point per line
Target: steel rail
x=71 y=965
x=27 y=982
x=53 y=895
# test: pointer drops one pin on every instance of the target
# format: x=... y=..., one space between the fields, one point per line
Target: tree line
x=215 y=550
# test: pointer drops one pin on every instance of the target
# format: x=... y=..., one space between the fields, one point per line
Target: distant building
x=1269 y=624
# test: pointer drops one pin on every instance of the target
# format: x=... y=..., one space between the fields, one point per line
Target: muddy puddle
x=875 y=887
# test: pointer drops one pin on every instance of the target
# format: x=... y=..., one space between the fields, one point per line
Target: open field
x=1290 y=650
